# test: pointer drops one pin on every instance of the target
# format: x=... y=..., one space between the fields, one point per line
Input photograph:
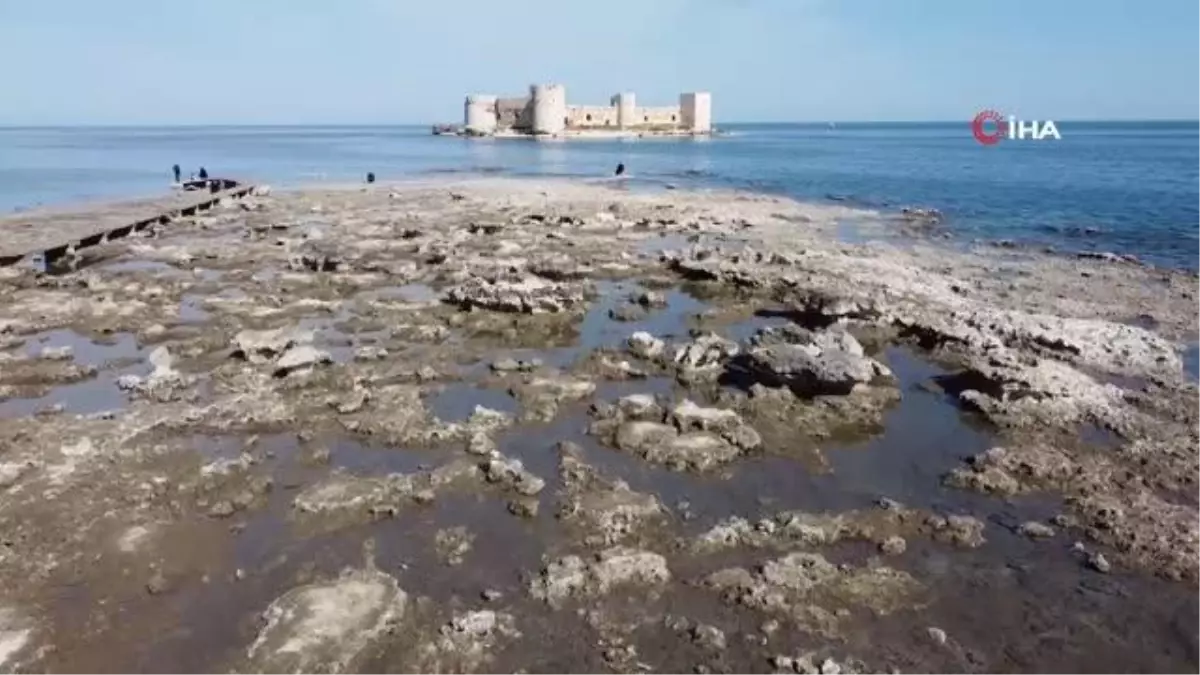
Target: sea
x=1131 y=188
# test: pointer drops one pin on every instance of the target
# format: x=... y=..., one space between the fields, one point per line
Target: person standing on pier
x=203 y=173
x=175 y=169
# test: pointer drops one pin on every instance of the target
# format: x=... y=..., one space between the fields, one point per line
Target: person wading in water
x=175 y=169
x=620 y=169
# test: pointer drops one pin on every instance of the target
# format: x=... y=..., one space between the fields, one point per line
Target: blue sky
x=412 y=61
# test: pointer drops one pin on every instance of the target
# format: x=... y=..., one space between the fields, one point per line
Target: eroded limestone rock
x=260 y=346
x=530 y=295
x=467 y=642
x=15 y=632
x=398 y=416
x=645 y=345
x=705 y=352
x=809 y=589
x=541 y=396
x=361 y=497
x=316 y=255
x=577 y=577
x=786 y=421
x=608 y=510
x=1111 y=346
x=960 y=530
x=1145 y=531
x=886 y=527
x=163 y=384
x=811 y=363
x=688 y=438
x=300 y=359
x=453 y=544
x=512 y=474
x=323 y=627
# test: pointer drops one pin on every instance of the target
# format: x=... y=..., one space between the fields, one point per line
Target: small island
x=544 y=112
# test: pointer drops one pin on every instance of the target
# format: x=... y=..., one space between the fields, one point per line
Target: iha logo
x=989 y=127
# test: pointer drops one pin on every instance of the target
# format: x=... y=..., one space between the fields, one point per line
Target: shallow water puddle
x=143 y=268
x=97 y=395
x=536 y=444
x=224 y=447
x=665 y=242
x=1023 y=605
x=364 y=459
x=1191 y=361
x=329 y=338
x=191 y=309
x=84 y=351
x=415 y=293
x=851 y=231
x=742 y=331
x=456 y=401
x=924 y=436
x=599 y=330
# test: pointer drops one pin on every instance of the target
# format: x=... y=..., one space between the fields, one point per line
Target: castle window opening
x=646 y=118
x=672 y=118
x=589 y=117
x=566 y=121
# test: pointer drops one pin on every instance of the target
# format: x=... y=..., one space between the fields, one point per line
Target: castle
x=544 y=112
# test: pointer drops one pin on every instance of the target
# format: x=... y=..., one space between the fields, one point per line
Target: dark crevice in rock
x=966 y=380
x=806 y=317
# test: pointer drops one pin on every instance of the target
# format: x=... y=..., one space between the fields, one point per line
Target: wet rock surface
x=607 y=510
x=688 y=437
x=573 y=577
x=327 y=626
x=584 y=430
x=813 y=592
x=530 y=295
x=811 y=363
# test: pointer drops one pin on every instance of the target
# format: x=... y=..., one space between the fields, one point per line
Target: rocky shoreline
x=500 y=425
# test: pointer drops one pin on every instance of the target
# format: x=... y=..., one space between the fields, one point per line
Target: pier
x=52 y=233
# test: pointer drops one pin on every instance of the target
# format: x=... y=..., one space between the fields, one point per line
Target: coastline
x=1098 y=209
x=602 y=134
x=692 y=335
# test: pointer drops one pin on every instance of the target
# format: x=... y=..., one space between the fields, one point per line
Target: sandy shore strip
x=496 y=425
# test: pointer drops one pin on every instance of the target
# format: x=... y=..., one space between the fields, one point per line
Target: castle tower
x=549 y=103
x=479 y=114
x=695 y=111
x=626 y=105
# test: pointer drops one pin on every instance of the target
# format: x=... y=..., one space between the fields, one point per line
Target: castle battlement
x=545 y=112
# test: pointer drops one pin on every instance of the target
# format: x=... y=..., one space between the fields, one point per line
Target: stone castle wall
x=591 y=117
x=514 y=113
x=545 y=112
x=660 y=116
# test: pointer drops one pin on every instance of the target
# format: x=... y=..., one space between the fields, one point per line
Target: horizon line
x=184 y=125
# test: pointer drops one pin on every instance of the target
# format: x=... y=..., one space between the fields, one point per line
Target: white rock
x=14 y=635
x=298 y=358
x=645 y=345
x=322 y=627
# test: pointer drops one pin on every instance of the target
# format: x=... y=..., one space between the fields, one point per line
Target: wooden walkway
x=51 y=233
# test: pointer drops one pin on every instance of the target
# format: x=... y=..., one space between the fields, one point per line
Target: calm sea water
x=1127 y=187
